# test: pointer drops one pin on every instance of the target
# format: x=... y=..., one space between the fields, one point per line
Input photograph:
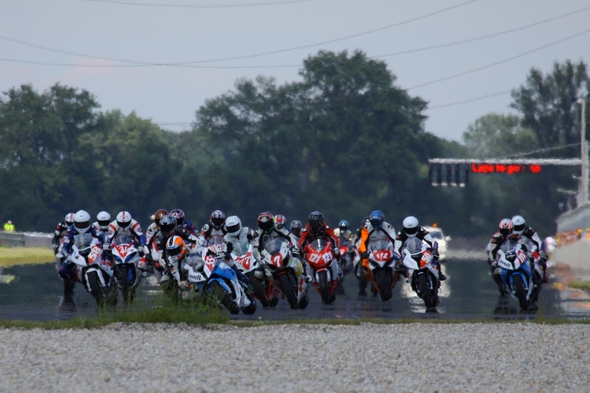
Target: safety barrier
x=25 y=239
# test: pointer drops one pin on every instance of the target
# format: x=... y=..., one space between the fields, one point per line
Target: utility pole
x=583 y=189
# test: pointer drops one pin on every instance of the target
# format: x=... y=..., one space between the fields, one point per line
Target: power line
x=336 y=39
x=501 y=61
x=470 y=100
x=32 y=62
x=191 y=63
x=235 y=5
x=483 y=37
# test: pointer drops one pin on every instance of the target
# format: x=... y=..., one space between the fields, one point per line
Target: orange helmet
x=159 y=214
x=175 y=247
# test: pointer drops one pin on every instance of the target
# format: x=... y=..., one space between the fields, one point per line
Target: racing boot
x=362 y=284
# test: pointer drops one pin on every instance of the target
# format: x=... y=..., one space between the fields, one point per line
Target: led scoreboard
x=455 y=172
x=510 y=169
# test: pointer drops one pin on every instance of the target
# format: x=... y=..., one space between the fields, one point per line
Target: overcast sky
x=97 y=45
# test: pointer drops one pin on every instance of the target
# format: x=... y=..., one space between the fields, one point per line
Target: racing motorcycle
x=285 y=272
x=126 y=257
x=349 y=254
x=320 y=257
x=382 y=272
x=516 y=273
x=259 y=284
x=95 y=272
x=222 y=282
x=423 y=275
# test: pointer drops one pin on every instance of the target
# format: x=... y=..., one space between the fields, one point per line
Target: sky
x=462 y=56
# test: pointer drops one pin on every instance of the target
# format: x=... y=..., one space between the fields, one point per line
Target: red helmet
x=265 y=221
x=505 y=226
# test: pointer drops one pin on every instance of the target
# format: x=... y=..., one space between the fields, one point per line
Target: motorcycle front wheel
x=425 y=292
x=288 y=290
x=259 y=291
x=324 y=287
x=95 y=288
x=519 y=290
x=383 y=280
x=223 y=297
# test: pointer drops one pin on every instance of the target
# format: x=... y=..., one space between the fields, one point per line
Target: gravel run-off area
x=470 y=357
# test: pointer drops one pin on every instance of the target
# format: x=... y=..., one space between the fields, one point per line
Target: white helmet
x=124 y=219
x=518 y=225
x=104 y=219
x=410 y=226
x=69 y=220
x=233 y=225
x=82 y=221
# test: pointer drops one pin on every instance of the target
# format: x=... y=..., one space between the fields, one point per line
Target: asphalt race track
x=468 y=294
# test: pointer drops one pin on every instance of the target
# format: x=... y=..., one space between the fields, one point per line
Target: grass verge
x=10 y=256
x=584 y=285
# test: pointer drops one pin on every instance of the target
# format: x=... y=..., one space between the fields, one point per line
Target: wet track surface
x=468 y=294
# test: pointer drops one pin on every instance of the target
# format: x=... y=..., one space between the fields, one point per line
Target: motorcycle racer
x=81 y=234
x=182 y=222
x=343 y=232
x=522 y=231
x=498 y=238
x=375 y=228
x=168 y=229
x=295 y=228
x=61 y=230
x=410 y=230
x=215 y=227
x=125 y=226
x=316 y=228
x=237 y=238
x=103 y=219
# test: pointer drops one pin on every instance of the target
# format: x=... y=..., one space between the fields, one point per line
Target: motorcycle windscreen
x=318 y=245
x=380 y=245
x=273 y=245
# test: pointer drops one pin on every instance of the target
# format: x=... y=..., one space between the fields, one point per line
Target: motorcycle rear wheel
x=288 y=290
x=520 y=291
x=95 y=288
x=223 y=297
x=324 y=287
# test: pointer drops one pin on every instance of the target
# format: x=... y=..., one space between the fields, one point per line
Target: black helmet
x=167 y=223
x=217 y=219
x=315 y=219
x=266 y=221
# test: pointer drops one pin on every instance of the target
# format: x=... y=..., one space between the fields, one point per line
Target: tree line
x=344 y=139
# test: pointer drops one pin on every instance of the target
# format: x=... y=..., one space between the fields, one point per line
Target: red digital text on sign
x=504 y=168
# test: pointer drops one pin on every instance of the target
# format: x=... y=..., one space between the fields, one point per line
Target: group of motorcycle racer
x=171 y=236
x=515 y=231
x=171 y=241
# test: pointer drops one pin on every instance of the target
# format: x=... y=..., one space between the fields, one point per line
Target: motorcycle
x=126 y=257
x=381 y=267
x=259 y=284
x=516 y=273
x=423 y=275
x=320 y=257
x=222 y=282
x=95 y=272
x=285 y=272
x=349 y=254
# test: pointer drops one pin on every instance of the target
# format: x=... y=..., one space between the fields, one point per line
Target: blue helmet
x=343 y=224
x=376 y=218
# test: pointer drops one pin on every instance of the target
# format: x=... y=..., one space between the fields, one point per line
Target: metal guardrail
x=25 y=239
